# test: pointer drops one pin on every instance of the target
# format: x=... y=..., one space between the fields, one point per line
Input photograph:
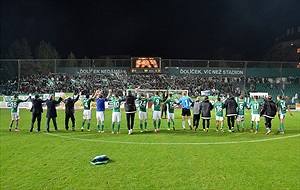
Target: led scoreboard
x=145 y=64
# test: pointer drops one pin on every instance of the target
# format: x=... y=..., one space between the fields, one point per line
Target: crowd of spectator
x=87 y=83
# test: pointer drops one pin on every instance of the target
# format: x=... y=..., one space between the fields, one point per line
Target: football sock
x=10 y=125
x=222 y=126
x=183 y=124
x=141 y=125
x=102 y=127
x=16 y=126
x=251 y=125
x=256 y=127
x=268 y=129
x=169 y=124
x=119 y=126
x=113 y=127
x=154 y=123
x=281 y=127
x=159 y=122
x=82 y=125
x=173 y=122
x=189 y=121
x=89 y=124
x=243 y=125
x=238 y=126
x=217 y=127
x=98 y=126
x=145 y=124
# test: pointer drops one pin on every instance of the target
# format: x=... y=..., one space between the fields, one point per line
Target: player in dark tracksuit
x=205 y=108
x=230 y=106
x=269 y=112
x=37 y=110
x=69 y=104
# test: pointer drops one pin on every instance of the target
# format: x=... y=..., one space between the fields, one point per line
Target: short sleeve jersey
x=281 y=104
x=171 y=104
x=116 y=103
x=143 y=102
x=241 y=107
x=87 y=103
x=100 y=104
x=185 y=101
x=15 y=104
x=219 y=106
x=157 y=102
x=255 y=107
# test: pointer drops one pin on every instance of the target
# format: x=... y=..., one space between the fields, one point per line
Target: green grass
x=166 y=160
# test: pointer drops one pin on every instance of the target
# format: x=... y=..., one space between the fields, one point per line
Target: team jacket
x=69 y=103
x=205 y=108
x=230 y=106
x=130 y=104
x=269 y=109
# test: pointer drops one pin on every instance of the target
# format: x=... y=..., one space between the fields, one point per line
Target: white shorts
x=15 y=116
x=87 y=114
x=240 y=118
x=255 y=117
x=116 y=117
x=100 y=115
x=143 y=115
x=171 y=116
x=281 y=116
x=219 y=118
x=156 y=115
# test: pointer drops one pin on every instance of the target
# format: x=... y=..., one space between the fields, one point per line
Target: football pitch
x=180 y=159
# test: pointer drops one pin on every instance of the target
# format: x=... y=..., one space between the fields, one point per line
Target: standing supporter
x=205 y=108
x=37 y=110
x=268 y=111
x=196 y=117
x=69 y=109
x=51 y=112
x=230 y=106
x=130 y=110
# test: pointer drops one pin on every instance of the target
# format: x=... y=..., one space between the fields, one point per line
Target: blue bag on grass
x=103 y=159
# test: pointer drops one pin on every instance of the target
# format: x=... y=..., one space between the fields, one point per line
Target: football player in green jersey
x=15 y=116
x=281 y=108
x=87 y=115
x=241 y=113
x=219 y=106
x=116 y=115
x=143 y=115
x=255 y=113
x=170 y=103
x=156 y=100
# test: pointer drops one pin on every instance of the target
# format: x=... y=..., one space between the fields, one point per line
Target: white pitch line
x=173 y=143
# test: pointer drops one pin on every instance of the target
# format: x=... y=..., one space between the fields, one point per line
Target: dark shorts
x=186 y=112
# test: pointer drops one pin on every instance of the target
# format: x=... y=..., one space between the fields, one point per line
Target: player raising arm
x=156 y=100
x=281 y=108
x=143 y=115
x=15 y=116
x=87 y=114
x=100 y=108
x=241 y=113
x=116 y=115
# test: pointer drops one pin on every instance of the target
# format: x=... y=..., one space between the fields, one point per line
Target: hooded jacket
x=269 y=109
x=230 y=106
x=205 y=108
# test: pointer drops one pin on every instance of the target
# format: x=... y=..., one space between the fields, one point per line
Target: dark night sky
x=170 y=29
